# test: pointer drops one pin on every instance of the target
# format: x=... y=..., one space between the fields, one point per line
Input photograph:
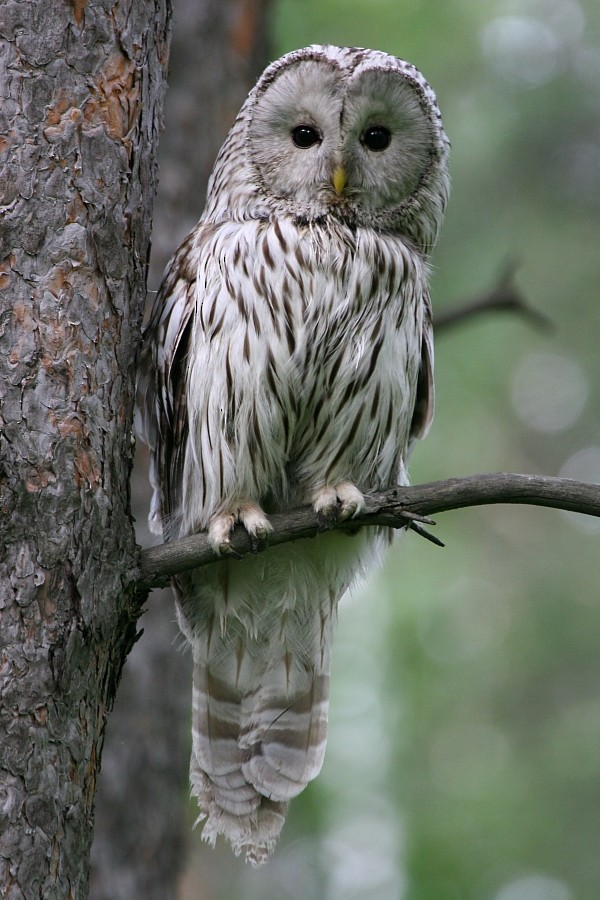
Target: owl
x=288 y=360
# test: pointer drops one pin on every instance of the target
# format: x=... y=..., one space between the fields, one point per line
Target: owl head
x=343 y=132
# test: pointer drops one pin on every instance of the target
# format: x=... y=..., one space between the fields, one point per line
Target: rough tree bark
x=82 y=86
x=218 y=49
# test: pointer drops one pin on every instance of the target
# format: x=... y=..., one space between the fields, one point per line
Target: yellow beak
x=339 y=179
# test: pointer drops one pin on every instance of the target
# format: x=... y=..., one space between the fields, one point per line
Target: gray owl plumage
x=288 y=360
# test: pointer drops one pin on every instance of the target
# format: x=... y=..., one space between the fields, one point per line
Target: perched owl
x=288 y=360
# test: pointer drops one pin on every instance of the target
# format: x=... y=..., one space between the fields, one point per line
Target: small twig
x=505 y=297
x=391 y=508
x=422 y=532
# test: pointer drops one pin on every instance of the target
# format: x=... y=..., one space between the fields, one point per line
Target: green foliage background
x=464 y=750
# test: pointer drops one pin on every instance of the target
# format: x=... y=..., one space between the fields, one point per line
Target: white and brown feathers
x=288 y=360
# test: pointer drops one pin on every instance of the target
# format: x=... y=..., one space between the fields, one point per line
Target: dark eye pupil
x=377 y=137
x=305 y=136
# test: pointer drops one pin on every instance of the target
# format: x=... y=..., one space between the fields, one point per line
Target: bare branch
x=395 y=508
x=504 y=297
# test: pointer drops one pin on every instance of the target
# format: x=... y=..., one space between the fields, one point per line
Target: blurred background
x=464 y=750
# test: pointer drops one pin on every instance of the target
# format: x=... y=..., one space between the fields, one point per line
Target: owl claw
x=227 y=549
x=351 y=500
x=256 y=524
x=336 y=503
x=221 y=527
x=219 y=534
x=325 y=504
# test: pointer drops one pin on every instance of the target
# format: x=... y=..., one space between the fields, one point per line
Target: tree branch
x=389 y=508
x=504 y=297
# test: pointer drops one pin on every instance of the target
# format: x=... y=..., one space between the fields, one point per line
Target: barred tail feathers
x=259 y=733
x=228 y=803
x=285 y=731
x=261 y=630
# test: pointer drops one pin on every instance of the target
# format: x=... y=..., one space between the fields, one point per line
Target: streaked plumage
x=288 y=360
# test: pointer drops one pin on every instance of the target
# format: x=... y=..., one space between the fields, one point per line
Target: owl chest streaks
x=303 y=363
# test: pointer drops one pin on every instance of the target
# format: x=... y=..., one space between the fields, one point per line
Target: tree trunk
x=219 y=48
x=82 y=85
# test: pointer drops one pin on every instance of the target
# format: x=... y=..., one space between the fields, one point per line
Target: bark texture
x=218 y=49
x=82 y=84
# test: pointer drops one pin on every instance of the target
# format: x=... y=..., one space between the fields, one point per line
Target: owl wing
x=425 y=393
x=161 y=414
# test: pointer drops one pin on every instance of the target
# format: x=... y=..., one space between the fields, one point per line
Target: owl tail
x=256 y=747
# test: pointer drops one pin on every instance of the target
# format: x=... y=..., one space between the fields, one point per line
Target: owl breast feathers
x=288 y=360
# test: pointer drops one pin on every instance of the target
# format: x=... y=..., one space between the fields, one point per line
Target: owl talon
x=251 y=517
x=256 y=524
x=336 y=503
x=219 y=534
x=227 y=549
x=325 y=504
x=351 y=500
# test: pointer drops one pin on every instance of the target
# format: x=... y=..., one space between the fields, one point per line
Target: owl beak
x=339 y=179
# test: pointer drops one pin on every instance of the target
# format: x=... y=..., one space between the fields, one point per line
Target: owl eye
x=376 y=137
x=305 y=136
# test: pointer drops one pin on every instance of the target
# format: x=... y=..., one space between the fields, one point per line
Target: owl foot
x=221 y=527
x=256 y=524
x=336 y=503
x=219 y=534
